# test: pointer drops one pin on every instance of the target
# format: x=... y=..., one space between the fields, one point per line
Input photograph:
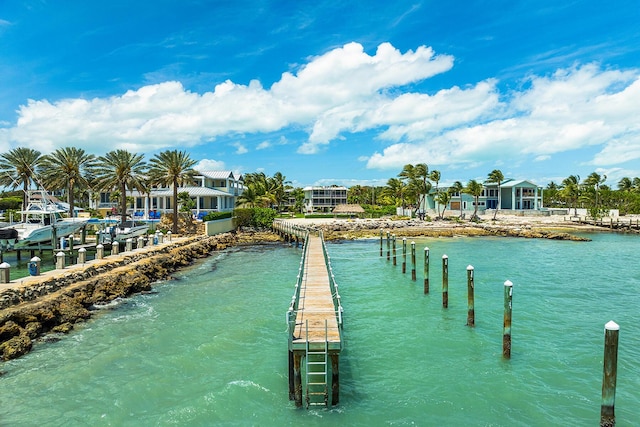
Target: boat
x=121 y=231
x=41 y=218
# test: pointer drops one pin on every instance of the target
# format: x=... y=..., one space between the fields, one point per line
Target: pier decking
x=315 y=322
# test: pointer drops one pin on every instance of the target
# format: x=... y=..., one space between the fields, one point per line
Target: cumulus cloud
x=570 y=109
x=210 y=165
x=347 y=91
x=165 y=115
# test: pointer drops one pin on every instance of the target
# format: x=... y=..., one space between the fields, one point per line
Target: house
x=515 y=195
x=212 y=191
x=324 y=199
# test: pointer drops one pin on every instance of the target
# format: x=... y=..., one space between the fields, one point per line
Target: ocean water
x=209 y=347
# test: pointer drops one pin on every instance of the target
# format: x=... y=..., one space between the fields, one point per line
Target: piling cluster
x=607 y=418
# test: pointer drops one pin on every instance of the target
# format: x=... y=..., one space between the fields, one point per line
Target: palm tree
x=625 y=184
x=395 y=190
x=474 y=188
x=417 y=184
x=595 y=180
x=248 y=198
x=497 y=177
x=120 y=170
x=571 y=191
x=68 y=168
x=172 y=168
x=19 y=167
x=435 y=177
x=443 y=199
x=458 y=188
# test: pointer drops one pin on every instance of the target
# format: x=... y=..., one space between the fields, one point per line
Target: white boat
x=41 y=217
x=121 y=231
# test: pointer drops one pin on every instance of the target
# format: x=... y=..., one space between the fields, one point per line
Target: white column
x=513 y=198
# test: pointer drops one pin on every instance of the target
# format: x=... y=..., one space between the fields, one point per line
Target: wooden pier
x=315 y=324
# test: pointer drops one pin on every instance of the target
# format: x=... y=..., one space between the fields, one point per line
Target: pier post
x=160 y=237
x=471 y=315
x=335 y=379
x=609 y=376
x=388 y=246
x=99 y=251
x=128 y=246
x=169 y=235
x=82 y=256
x=413 y=261
x=83 y=235
x=54 y=239
x=5 y=272
x=394 y=250
x=381 y=233
x=506 y=330
x=140 y=242
x=115 y=248
x=60 y=260
x=404 y=255
x=445 y=281
x=71 y=244
x=426 y=270
x=34 y=266
x=297 y=379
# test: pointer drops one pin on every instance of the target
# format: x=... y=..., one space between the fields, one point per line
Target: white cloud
x=240 y=148
x=166 y=115
x=210 y=165
x=569 y=110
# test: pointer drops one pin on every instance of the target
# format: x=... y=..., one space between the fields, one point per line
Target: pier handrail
x=339 y=310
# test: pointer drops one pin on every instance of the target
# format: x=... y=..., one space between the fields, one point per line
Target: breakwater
x=57 y=300
x=340 y=229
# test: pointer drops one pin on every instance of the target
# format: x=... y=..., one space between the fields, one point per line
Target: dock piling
x=60 y=260
x=413 y=261
x=82 y=256
x=471 y=315
x=506 y=329
x=394 y=251
x=445 y=281
x=609 y=376
x=426 y=271
x=404 y=255
x=5 y=272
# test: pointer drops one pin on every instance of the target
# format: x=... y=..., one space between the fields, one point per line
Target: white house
x=324 y=199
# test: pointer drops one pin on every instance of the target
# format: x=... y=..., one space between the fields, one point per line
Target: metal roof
x=193 y=192
x=217 y=174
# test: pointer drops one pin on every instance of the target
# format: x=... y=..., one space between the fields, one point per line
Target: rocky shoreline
x=359 y=229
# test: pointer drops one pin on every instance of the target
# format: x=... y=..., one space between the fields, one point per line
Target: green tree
x=118 y=171
x=443 y=199
x=418 y=185
x=185 y=201
x=458 y=188
x=474 y=188
x=19 y=167
x=69 y=168
x=571 y=191
x=395 y=190
x=497 y=177
x=172 y=168
x=594 y=181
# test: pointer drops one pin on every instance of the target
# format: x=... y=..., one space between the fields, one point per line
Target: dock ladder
x=316 y=371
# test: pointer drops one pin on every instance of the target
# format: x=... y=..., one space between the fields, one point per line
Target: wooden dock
x=315 y=324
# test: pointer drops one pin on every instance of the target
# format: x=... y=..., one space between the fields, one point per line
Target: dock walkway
x=314 y=323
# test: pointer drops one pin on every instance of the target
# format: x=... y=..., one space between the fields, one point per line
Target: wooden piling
x=388 y=246
x=381 y=232
x=445 y=281
x=471 y=315
x=413 y=261
x=404 y=255
x=394 y=250
x=297 y=379
x=335 y=379
x=426 y=270
x=609 y=376
x=506 y=329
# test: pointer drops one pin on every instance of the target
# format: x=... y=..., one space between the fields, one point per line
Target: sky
x=331 y=92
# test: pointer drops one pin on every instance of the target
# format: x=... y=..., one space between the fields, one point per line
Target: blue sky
x=331 y=92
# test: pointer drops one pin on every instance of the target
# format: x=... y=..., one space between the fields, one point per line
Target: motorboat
x=41 y=219
x=121 y=231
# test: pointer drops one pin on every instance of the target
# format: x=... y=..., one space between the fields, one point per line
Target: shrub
x=212 y=216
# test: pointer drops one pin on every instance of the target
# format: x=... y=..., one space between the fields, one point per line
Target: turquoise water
x=210 y=346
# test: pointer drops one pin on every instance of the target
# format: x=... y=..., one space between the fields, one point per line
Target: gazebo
x=352 y=210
